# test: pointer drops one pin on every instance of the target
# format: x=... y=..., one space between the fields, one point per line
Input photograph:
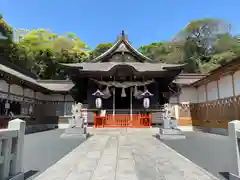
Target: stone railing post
x=19 y=125
x=85 y=125
x=234 y=143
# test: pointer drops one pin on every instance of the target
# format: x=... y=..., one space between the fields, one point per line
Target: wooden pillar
x=176 y=110
x=131 y=104
x=234 y=94
x=35 y=102
x=64 y=107
x=8 y=99
x=35 y=95
x=114 y=103
x=218 y=91
x=233 y=85
x=206 y=91
x=207 y=109
x=23 y=103
x=131 y=110
x=178 y=99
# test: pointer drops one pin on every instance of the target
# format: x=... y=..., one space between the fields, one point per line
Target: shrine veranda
x=121 y=84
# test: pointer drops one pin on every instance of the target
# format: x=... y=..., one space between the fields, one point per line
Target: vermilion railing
x=123 y=120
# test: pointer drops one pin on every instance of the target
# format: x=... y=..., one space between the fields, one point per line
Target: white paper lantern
x=146 y=102
x=98 y=103
x=7 y=105
x=30 y=110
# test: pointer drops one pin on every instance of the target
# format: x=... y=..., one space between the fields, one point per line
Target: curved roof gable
x=138 y=66
x=122 y=45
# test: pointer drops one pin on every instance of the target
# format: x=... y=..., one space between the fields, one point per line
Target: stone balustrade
x=234 y=143
x=39 y=128
x=11 y=150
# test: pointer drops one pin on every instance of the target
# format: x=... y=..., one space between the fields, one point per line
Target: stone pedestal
x=75 y=132
x=168 y=134
x=169 y=130
x=75 y=129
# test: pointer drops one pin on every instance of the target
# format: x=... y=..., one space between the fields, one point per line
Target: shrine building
x=122 y=87
x=121 y=78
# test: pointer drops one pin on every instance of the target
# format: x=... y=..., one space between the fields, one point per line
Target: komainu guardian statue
x=76 y=128
x=77 y=116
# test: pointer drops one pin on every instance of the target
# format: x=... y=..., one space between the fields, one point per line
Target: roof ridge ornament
x=123 y=33
x=123 y=36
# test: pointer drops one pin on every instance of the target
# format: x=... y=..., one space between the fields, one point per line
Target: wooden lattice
x=217 y=113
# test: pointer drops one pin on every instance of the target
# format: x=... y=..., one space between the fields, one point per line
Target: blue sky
x=99 y=21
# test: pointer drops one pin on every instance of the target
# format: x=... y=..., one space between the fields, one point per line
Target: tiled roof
x=51 y=85
x=15 y=73
x=138 y=66
x=188 y=78
x=122 y=45
x=56 y=85
x=66 y=85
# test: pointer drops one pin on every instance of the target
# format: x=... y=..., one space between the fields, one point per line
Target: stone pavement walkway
x=124 y=155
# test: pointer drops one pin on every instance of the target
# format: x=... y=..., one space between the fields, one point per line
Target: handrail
x=11 y=146
x=123 y=120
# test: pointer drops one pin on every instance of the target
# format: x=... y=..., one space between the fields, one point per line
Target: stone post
x=85 y=125
x=233 y=129
x=19 y=125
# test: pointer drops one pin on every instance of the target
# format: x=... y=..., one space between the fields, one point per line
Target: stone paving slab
x=126 y=155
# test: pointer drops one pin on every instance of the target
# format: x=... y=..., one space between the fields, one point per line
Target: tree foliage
x=6 y=37
x=41 y=51
x=100 y=49
x=202 y=45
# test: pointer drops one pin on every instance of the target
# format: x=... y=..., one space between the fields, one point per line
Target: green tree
x=6 y=37
x=167 y=52
x=6 y=32
x=199 y=37
x=100 y=49
x=41 y=51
